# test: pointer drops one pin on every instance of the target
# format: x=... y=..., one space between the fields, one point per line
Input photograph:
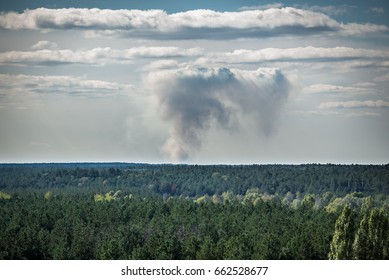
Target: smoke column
x=193 y=100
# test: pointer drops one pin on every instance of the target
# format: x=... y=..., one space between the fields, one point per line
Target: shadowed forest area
x=144 y=211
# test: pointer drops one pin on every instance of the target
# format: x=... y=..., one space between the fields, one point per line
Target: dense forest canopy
x=197 y=180
x=145 y=211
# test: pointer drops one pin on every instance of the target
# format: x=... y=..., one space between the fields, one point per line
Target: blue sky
x=194 y=81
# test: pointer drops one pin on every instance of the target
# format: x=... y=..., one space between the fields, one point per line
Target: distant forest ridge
x=120 y=164
x=198 y=180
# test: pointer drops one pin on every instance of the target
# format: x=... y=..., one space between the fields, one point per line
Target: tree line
x=198 y=180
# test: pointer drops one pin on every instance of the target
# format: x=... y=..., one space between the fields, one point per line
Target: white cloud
x=157 y=19
x=363 y=114
x=56 y=84
x=299 y=54
x=355 y=104
x=331 y=10
x=44 y=45
x=338 y=58
x=109 y=55
x=325 y=113
x=202 y=24
x=351 y=29
x=43 y=18
x=162 y=64
x=324 y=88
x=93 y=56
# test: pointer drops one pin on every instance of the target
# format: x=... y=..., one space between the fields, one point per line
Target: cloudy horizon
x=194 y=83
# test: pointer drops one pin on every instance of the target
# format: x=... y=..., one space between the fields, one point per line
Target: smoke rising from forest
x=195 y=100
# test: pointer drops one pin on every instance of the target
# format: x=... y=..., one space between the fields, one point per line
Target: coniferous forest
x=142 y=211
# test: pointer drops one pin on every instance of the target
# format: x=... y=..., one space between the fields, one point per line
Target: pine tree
x=342 y=241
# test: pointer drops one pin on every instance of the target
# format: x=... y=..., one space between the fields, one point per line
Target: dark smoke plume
x=195 y=99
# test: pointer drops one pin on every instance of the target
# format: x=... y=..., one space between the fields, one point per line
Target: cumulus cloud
x=72 y=18
x=308 y=53
x=355 y=104
x=200 y=24
x=340 y=58
x=351 y=29
x=194 y=100
x=93 y=56
x=56 y=84
x=331 y=10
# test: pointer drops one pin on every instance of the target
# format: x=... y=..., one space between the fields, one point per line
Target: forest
x=164 y=211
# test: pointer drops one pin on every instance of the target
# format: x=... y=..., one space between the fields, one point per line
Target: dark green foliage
x=78 y=228
x=194 y=180
x=139 y=211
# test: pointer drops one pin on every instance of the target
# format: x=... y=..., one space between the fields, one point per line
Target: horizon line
x=192 y=163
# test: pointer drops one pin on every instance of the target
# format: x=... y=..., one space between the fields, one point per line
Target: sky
x=198 y=82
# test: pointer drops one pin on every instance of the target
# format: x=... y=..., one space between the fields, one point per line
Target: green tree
x=372 y=238
x=361 y=242
x=207 y=250
x=378 y=234
x=308 y=202
x=367 y=205
x=4 y=195
x=342 y=241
